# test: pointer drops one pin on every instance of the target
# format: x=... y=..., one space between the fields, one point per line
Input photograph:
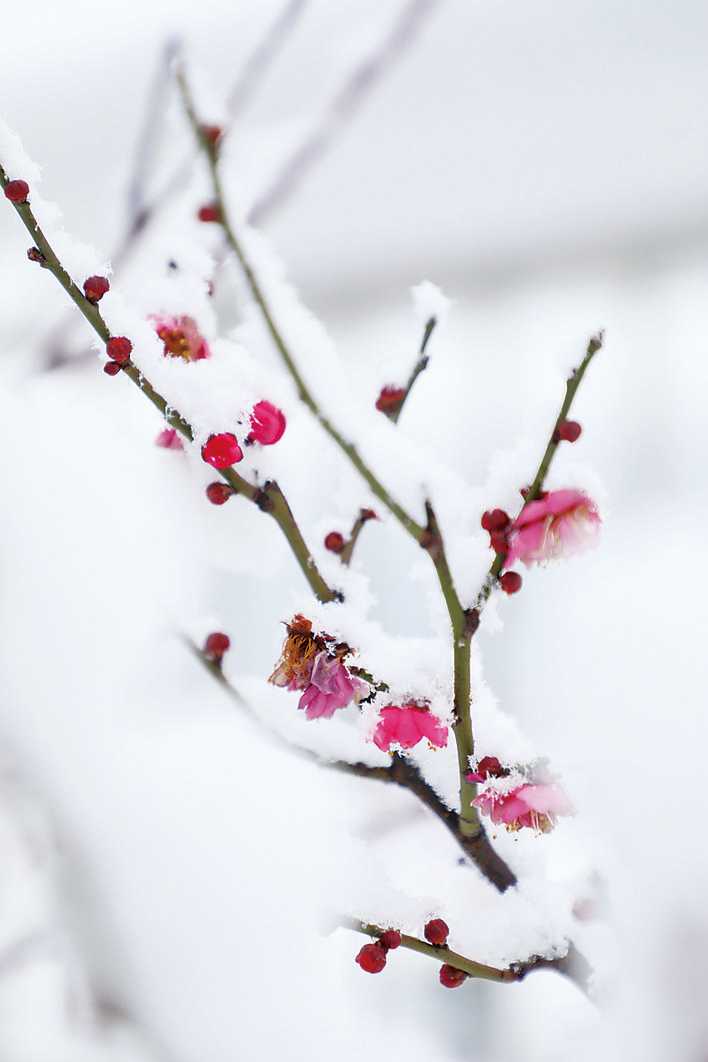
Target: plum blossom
x=530 y=804
x=561 y=523
x=309 y=662
x=331 y=687
x=181 y=337
x=267 y=423
x=169 y=439
x=406 y=725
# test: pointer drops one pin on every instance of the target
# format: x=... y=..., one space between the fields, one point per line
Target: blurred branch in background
x=356 y=88
x=143 y=210
x=360 y=83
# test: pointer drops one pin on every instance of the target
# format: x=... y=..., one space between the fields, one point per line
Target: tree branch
x=269 y=499
x=569 y=964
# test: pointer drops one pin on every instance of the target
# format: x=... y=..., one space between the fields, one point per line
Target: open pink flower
x=169 y=439
x=267 y=423
x=181 y=337
x=535 y=806
x=330 y=687
x=563 y=522
x=407 y=725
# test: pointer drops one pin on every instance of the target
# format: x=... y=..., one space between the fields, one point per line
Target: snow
x=174 y=857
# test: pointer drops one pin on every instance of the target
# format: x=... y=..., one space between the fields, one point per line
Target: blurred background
x=546 y=165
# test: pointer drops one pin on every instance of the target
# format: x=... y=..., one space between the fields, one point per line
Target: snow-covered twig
x=269 y=498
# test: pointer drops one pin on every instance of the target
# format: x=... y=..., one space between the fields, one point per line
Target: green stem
x=270 y=499
x=571 y=386
x=469 y=822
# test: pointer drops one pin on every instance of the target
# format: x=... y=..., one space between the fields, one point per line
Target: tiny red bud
x=390 y=940
x=111 y=368
x=212 y=134
x=17 y=191
x=489 y=766
x=372 y=958
x=209 y=212
x=222 y=450
x=119 y=349
x=436 y=931
x=218 y=493
x=216 y=645
x=568 y=431
x=35 y=255
x=451 y=977
x=368 y=514
x=498 y=541
x=510 y=582
x=95 y=288
x=334 y=542
x=390 y=399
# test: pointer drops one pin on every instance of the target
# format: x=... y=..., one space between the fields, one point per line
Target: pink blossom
x=535 y=806
x=407 y=725
x=267 y=423
x=563 y=522
x=330 y=687
x=181 y=337
x=169 y=439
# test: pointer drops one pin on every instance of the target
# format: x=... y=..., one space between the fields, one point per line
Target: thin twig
x=505 y=975
x=347 y=550
x=269 y=498
x=419 y=367
x=571 y=386
x=262 y=56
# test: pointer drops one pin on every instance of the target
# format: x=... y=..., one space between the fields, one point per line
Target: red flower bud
x=222 y=450
x=390 y=399
x=451 y=977
x=334 y=542
x=212 y=134
x=498 y=541
x=111 y=368
x=568 y=431
x=489 y=766
x=436 y=931
x=510 y=582
x=390 y=940
x=216 y=645
x=372 y=958
x=367 y=514
x=119 y=349
x=17 y=191
x=218 y=493
x=495 y=520
x=95 y=288
x=209 y=212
